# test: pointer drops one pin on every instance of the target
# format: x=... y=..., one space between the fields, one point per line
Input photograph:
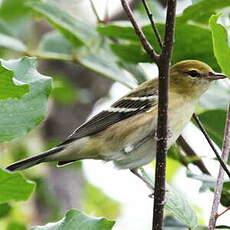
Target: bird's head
x=192 y=77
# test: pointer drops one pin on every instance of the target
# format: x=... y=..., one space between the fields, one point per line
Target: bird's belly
x=145 y=153
x=139 y=157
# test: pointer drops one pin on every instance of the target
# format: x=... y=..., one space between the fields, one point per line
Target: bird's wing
x=138 y=101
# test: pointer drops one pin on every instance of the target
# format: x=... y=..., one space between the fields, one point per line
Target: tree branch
x=220 y=178
x=190 y=153
x=145 y=43
x=162 y=124
x=195 y=117
x=163 y=62
x=154 y=27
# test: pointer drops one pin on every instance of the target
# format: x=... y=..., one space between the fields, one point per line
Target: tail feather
x=37 y=159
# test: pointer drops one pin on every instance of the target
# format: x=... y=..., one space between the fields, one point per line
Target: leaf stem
x=49 y=55
x=220 y=178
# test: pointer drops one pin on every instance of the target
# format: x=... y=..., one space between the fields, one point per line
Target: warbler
x=125 y=132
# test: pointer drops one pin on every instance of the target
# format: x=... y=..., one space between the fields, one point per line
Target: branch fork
x=163 y=62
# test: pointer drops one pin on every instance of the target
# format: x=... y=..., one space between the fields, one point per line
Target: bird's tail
x=31 y=161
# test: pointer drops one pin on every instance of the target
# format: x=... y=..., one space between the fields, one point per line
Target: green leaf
x=131 y=53
x=225 y=195
x=4 y=28
x=194 y=42
x=208 y=182
x=202 y=11
x=63 y=91
x=179 y=207
x=5 y=209
x=14 y=187
x=103 y=61
x=9 y=86
x=171 y=223
x=136 y=70
x=56 y=43
x=16 y=226
x=198 y=45
x=122 y=30
x=220 y=44
x=75 y=219
x=214 y=122
x=99 y=204
x=98 y=58
x=19 y=116
x=14 y=9
x=11 y=43
x=77 y=32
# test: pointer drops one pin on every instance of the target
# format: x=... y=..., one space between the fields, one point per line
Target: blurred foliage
x=209 y=183
x=113 y=51
x=30 y=103
x=14 y=187
x=203 y=10
x=63 y=91
x=16 y=226
x=176 y=204
x=75 y=219
x=97 y=203
x=5 y=209
x=220 y=44
x=54 y=42
x=214 y=122
x=77 y=32
x=225 y=195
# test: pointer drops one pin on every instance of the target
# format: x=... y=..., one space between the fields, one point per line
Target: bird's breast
x=179 y=114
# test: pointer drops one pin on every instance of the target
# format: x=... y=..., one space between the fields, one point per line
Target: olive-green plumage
x=124 y=133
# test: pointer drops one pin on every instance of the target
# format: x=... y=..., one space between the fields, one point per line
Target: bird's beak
x=215 y=76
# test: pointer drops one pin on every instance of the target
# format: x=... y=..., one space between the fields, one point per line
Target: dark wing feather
x=113 y=115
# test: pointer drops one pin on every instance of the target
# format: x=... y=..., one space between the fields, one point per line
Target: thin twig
x=220 y=178
x=222 y=213
x=145 y=43
x=162 y=123
x=191 y=153
x=95 y=11
x=195 y=117
x=153 y=24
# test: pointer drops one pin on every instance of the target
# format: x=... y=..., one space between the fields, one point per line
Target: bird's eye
x=193 y=73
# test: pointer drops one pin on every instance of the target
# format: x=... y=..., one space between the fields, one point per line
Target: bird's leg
x=145 y=180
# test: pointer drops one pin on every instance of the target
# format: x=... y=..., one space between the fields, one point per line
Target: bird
x=125 y=133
